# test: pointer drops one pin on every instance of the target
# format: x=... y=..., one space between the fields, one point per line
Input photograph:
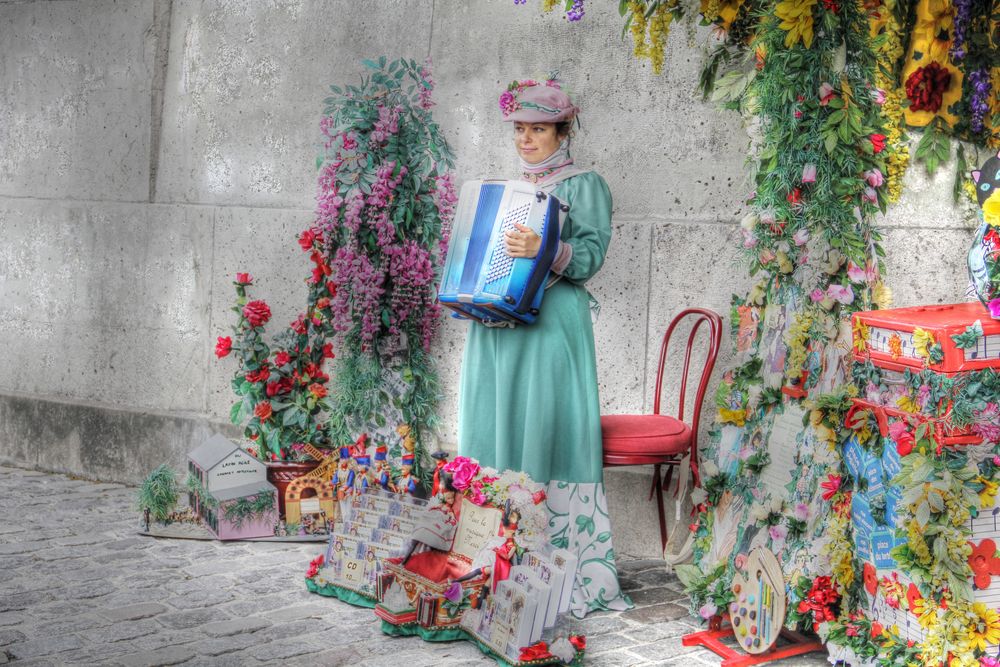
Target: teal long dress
x=529 y=400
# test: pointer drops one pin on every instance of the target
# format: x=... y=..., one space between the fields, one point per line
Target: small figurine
x=405 y=432
x=361 y=480
x=382 y=472
x=343 y=476
x=442 y=460
x=437 y=523
x=406 y=483
x=503 y=550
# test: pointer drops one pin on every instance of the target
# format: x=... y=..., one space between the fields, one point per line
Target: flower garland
x=943 y=78
x=383 y=211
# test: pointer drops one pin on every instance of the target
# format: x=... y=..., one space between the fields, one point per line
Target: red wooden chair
x=658 y=439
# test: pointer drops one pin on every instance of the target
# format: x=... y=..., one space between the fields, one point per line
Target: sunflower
x=986 y=628
x=797 y=19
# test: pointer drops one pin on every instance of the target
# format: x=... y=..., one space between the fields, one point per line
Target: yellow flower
x=860 y=336
x=964 y=659
x=797 y=19
x=907 y=404
x=882 y=295
x=934 y=17
x=923 y=341
x=991 y=209
x=989 y=492
x=721 y=12
x=986 y=629
x=737 y=417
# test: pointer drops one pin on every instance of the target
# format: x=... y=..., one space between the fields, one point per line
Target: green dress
x=529 y=400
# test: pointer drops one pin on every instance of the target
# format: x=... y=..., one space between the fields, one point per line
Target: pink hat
x=529 y=101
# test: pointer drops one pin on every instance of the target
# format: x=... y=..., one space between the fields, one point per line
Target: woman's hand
x=523 y=243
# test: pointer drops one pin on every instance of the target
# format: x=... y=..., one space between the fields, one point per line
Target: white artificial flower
x=709 y=468
x=562 y=649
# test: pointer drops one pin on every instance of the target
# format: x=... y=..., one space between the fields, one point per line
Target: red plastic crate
x=943 y=321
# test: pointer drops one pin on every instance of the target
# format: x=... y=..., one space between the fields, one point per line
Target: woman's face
x=535 y=141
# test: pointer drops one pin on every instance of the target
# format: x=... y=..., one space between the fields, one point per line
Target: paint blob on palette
x=758 y=608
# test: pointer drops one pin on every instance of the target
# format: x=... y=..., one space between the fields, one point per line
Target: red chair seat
x=648 y=435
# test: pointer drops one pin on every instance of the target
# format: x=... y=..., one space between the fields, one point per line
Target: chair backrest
x=698 y=316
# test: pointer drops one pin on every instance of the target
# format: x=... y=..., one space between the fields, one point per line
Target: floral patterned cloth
x=579 y=522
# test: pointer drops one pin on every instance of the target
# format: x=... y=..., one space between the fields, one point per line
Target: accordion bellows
x=480 y=280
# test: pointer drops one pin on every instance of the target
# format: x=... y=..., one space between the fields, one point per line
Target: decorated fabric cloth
x=579 y=522
x=529 y=400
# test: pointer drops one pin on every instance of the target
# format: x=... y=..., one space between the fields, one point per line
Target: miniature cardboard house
x=232 y=490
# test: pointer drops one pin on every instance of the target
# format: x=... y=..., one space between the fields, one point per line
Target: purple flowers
x=979 y=103
x=575 y=12
x=963 y=15
x=383 y=206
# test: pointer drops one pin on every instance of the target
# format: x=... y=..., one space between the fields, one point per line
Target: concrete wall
x=150 y=149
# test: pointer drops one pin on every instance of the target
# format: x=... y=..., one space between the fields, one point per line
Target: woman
x=528 y=397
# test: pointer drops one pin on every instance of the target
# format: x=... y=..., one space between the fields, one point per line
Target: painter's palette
x=758 y=608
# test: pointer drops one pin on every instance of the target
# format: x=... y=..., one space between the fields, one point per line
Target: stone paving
x=78 y=585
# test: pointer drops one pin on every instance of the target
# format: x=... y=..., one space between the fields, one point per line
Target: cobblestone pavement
x=79 y=586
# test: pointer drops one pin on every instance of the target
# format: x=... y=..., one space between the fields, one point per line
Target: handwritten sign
x=235 y=470
x=476 y=527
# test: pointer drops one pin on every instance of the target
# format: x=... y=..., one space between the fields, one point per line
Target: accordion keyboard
x=500 y=262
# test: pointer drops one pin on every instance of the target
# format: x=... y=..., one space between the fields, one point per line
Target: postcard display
x=455 y=571
x=913 y=365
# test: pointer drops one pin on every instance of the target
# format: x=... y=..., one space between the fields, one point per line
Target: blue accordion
x=481 y=281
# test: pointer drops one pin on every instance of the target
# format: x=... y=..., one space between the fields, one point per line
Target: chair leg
x=656 y=478
x=660 y=511
x=669 y=477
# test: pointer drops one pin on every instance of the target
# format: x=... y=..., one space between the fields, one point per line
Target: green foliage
x=934 y=147
x=248 y=508
x=195 y=488
x=158 y=492
x=968 y=339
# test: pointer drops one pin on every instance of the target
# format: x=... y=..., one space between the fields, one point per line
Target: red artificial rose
x=299 y=325
x=282 y=386
x=794 y=197
x=328 y=351
x=243 y=279
x=223 y=346
x=904 y=443
x=317 y=390
x=282 y=358
x=925 y=88
x=831 y=6
x=260 y=375
x=257 y=313
x=870 y=578
x=331 y=287
x=579 y=642
x=263 y=410
x=537 y=651
x=312 y=370
x=992 y=238
x=307 y=239
x=877 y=629
x=322 y=302
x=878 y=142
